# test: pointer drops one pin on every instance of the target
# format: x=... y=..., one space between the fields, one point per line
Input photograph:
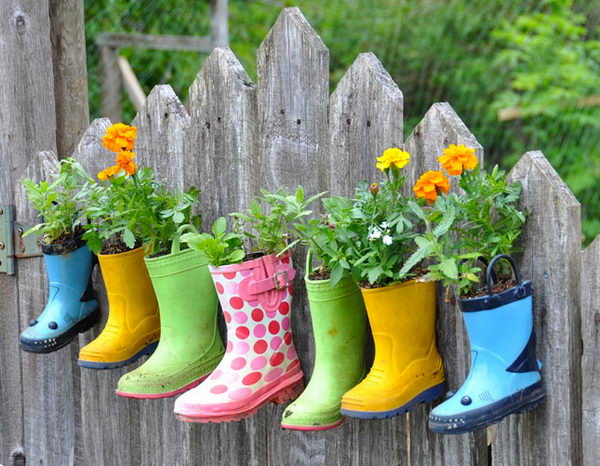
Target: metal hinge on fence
x=13 y=245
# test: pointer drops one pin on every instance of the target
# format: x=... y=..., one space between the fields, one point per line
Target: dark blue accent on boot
x=148 y=350
x=427 y=396
x=526 y=361
x=70 y=309
x=489 y=302
x=468 y=421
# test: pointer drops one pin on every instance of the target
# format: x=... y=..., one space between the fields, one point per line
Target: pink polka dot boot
x=260 y=364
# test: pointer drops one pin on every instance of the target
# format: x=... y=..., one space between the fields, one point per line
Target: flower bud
x=374 y=188
x=331 y=225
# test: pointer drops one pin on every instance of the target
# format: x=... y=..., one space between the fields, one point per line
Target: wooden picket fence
x=236 y=137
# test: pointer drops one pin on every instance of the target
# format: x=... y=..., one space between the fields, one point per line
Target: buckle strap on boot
x=278 y=281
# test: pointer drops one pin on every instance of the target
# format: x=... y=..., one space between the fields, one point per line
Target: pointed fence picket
x=235 y=138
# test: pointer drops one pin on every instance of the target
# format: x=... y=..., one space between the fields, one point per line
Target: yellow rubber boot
x=133 y=326
x=407 y=369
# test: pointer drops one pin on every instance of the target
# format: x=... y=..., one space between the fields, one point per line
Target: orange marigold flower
x=430 y=184
x=457 y=158
x=110 y=171
x=125 y=161
x=119 y=137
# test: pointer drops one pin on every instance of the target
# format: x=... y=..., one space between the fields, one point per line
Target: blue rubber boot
x=505 y=376
x=71 y=307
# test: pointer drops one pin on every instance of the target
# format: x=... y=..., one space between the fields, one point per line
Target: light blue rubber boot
x=72 y=307
x=505 y=376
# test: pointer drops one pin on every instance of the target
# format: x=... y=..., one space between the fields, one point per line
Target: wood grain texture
x=70 y=73
x=27 y=125
x=590 y=363
x=49 y=398
x=293 y=100
x=223 y=155
x=365 y=118
x=551 y=241
x=440 y=127
x=162 y=126
x=108 y=426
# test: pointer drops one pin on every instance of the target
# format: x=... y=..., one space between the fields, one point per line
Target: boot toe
x=301 y=415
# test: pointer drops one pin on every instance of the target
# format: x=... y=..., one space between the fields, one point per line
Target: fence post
x=440 y=127
x=70 y=73
x=551 y=243
x=590 y=364
x=27 y=125
x=223 y=139
x=110 y=83
x=219 y=19
x=293 y=98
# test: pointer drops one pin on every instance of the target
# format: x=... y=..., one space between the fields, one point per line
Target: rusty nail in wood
x=597 y=317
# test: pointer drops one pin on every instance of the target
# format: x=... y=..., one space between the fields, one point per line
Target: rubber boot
x=504 y=377
x=260 y=363
x=72 y=307
x=133 y=326
x=407 y=369
x=339 y=324
x=190 y=346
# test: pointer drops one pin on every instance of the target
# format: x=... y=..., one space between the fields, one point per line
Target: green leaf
x=374 y=273
x=236 y=256
x=415 y=259
x=446 y=222
x=448 y=268
x=178 y=217
x=128 y=238
x=337 y=273
x=219 y=227
x=416 y=208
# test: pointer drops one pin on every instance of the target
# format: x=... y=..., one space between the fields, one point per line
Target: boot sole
x=427 y=396
x=50 y=345
x=148 y=350
x=313 y=428
x=155 y=396
x=523 y=400
x=281 y=394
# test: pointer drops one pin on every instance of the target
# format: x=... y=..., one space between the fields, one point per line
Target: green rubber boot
x=190 y=346
x=339 y=325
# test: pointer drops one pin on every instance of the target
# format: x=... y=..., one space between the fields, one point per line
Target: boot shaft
x=186 y=297
x=71 y=270
x=402 y=319
x=339 y=326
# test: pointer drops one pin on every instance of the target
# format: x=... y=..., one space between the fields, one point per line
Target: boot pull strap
x=490 y=276
x=176 y=245
x=309 y=263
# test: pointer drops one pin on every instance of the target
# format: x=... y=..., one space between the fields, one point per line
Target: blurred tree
x=458 y=51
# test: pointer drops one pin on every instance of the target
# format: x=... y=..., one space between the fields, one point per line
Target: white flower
x=375 y=234
x=384 y=226
x=387 y=240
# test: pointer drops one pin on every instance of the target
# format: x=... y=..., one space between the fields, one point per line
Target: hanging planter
x=504 y=377
x=190 y=346
x=133 y=326
x=339 y=328
x=71 y=308
x=260 y=364
x=407 y=369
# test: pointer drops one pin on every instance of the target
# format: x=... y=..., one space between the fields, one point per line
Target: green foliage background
x=479 y=55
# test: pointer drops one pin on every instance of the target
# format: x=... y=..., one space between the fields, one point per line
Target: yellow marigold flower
x=110 y=171
x=457 y=158
x=393 y=156
x=119 y=137
x=430 y=184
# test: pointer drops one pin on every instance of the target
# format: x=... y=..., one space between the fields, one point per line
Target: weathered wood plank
x=109 y=425
x=440 y=127
x=114 y=40
x=550 y=434
x=365 y=118
x=222 y=160
x=590 y=363
x=219 y=19
x=110 y=84
x=162 y=126
x=293 y=67
x=27 y=125
x=223 y=137
x=131 y=83
x=70 y=73
x=49 y=398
